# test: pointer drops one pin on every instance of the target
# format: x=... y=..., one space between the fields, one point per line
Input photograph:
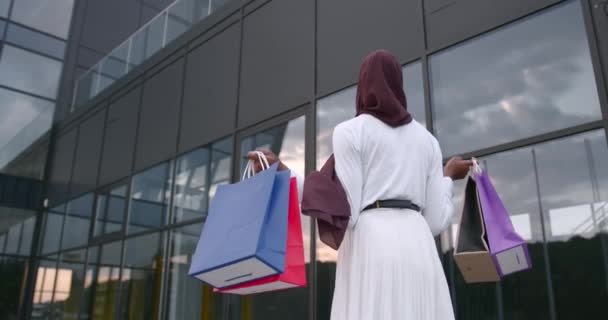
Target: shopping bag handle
x=249 y=171
x=476 y=168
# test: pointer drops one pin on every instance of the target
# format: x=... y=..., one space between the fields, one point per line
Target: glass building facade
x=153 y=104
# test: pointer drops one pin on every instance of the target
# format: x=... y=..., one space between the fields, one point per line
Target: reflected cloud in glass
x=23 y=120
x=51 y=16
x=29 y=72
x=530 y=77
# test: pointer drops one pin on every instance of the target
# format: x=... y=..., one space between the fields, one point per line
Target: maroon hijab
x=380 y=94
x=380 y=89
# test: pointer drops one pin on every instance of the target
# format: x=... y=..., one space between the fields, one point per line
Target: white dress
x=388 y=266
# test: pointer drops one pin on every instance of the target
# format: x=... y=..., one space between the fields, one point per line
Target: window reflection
x=198 y=174
x=52 y=229
x=102 y=281
x=110 y=210
x=572 y=189
x=44 y=288
x=77 y=222
x=29 y=72
x=288 y=142
x=51 y=16
x=25 y=247
x=4 y=6
x=188 y=298
x=528 y=78
x=142 y=277
x=150 y=193
x=148 y=41
x=23 y=120
x=35 y=41
x=69 y=285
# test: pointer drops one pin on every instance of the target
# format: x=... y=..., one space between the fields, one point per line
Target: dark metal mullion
x=97 y=180
x=426 y=82
x=33 y=51
x=550 y=293
x=20 y=241
x=8 y=19
x=27 y=93
x=311 y=164
x=84 y=272
x=227 y=300
x=126 y=214
x=65 y=210
x=164 y=233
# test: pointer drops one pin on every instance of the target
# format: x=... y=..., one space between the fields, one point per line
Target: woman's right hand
x=457 y=168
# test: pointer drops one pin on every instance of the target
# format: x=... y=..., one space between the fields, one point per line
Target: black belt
x=395 y=204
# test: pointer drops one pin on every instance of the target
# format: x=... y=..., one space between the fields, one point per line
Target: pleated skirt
x=389 y=269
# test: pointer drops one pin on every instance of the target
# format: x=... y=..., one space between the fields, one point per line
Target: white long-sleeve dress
x=388 y=266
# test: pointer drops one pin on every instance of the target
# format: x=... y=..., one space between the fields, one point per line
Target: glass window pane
x=574 y=212
x=110 y=210
x=181 y=17
x=141 y=277
x=414 y=91
x=150 y=192
x=29 y=72
x=77 y=222
x=4 y=7
x=2 y=22
x=2 y=242
x=113 y=66
x=340 y=107
x=26 y=237
x=189 y=299
x=52 y=229
x=104 y=268
x=216 y=4
x=198 y=174
x=13 y=238
x=90 y=275
x=86 y=87
x=43 y=292
x=69 y=287
x=147 y=41
x=530 y=77
x=23 y=119
x=288 y=142
x=51 y=16
x=35 y=41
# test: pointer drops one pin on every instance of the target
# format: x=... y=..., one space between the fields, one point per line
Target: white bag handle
x=249 y=171
x=476 y=169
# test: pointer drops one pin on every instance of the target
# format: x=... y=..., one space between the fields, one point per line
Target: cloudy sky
x=531 y=77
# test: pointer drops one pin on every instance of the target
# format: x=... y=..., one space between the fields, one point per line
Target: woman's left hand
x=271 y=157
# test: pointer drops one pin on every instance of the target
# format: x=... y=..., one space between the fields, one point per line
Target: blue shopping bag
x=245 y=235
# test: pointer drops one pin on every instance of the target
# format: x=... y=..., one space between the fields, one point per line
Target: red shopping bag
x=295 y=268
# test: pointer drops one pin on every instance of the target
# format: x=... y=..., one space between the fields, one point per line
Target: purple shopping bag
x=508 y=249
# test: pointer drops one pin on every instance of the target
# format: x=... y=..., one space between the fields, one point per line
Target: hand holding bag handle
x=249 y=171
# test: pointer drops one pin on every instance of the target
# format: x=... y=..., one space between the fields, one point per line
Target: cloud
x=529 y=78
